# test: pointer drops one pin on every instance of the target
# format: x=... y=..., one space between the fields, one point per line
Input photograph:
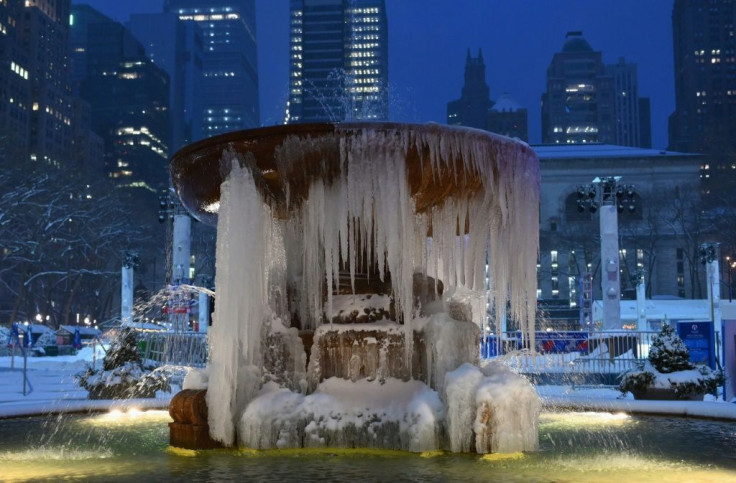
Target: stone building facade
x=652 y=238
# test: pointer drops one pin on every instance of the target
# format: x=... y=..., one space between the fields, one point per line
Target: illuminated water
x=575 y=447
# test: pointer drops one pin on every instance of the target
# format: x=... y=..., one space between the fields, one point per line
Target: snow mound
x=394 y=415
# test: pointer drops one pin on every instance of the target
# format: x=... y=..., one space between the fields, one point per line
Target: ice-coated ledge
x=45 y=408
x=699 y=409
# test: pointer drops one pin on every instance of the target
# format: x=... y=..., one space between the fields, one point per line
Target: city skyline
x=422 y=68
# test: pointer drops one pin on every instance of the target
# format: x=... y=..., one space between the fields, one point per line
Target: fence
x=571 y=352
x=554 y=352
x=177 y=349
x=610 y=352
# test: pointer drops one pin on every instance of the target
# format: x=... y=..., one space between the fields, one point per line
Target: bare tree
x=62 y=238
x=691 y=225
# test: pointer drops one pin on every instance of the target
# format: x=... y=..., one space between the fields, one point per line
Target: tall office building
x=40 y=120
x=46 y=39
x=128 y=95
x=338 y=61
x=704 y=120
x=578 y=106
x=472 y=108
x=226 y=99
x=631 y=113
x=475 y=108
x=176 y=47
x=15 y=84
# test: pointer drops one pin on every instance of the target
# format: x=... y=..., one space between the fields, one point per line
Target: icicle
x=243 y=229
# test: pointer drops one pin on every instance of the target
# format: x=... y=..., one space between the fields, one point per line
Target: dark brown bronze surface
x=313 y=151
x=188 y=409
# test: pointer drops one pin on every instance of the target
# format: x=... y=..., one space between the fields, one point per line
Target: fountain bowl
x=314 y=150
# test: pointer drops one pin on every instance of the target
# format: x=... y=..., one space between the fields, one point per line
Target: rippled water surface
x=573 y=447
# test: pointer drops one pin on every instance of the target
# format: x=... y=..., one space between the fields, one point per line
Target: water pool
x=582 y=446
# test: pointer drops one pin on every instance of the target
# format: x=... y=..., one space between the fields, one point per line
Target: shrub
x=669 y=367
x=123 y=373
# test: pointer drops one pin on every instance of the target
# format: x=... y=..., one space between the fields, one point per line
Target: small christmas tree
x=123 y=349
x=123 y=374
x=669 y=353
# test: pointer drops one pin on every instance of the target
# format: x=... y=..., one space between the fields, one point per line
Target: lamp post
x=608 y=196
x=169 y=208
x=730 y=265
x=641 y=302
x=130 y=262
x=181 y=246
x=708 y=254
x=204 y=304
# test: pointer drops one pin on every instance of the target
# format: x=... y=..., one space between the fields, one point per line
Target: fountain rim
x=327 y=127
x=187 y=165
x=672 y=409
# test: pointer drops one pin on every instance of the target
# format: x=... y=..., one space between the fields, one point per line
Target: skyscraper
x=338 y=61
x=704 y=120
x=40 y=120
x=227 y=96
x=15 y=84
x=631 y=114
x=176 y=47
x=46 y=39
x=476 y=109
x=578 y=106
x=472 y=108
x=129 y=99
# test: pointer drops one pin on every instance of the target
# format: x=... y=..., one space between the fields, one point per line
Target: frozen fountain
x=352 y=285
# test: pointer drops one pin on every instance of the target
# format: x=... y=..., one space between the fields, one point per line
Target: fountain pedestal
x=190 y=430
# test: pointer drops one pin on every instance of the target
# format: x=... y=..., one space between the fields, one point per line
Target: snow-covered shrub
x=46 y=339
x=123 y=374
x=669 y=367
x=668 y=352
x=4 y=335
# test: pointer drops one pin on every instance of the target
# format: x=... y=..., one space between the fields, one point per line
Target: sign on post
x=698 y=338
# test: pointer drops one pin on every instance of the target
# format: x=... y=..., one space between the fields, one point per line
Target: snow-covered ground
x=51 y=386
x=53 y=389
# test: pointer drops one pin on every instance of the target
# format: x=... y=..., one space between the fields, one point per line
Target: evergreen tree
x=668 y=353
x=123 y=349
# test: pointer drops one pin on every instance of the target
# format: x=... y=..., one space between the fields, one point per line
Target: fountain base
x=359 y=394
x=190 y=430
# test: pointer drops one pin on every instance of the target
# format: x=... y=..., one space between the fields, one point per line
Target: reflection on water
x=573 y=447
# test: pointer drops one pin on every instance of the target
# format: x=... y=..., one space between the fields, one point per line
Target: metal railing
x=174 y=348
x=571 y=352
x=27 y=386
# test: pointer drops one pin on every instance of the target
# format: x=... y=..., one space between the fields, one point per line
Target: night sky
x=428 y=41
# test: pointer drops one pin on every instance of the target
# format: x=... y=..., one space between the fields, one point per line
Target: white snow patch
x=396 y=414
x=195 y=379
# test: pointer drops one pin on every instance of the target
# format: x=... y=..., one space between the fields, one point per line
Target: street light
x=708 y=254
x=610 y=197
x=130 y=262
x=730 y=266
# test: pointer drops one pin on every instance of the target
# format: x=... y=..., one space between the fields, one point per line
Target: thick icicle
x=241 y=297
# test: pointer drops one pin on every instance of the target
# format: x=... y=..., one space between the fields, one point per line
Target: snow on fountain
x=280 y=262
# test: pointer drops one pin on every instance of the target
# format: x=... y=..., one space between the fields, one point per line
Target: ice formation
x=342 y=219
